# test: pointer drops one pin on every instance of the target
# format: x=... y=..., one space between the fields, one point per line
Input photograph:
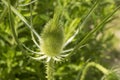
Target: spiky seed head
x=52 y=39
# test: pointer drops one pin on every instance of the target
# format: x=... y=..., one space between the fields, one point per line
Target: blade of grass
x=97 y=28
x=31 y=23
x=89 y=14
x=23 y=19
x=71 y=29
x=82 y=24
x=22 y=5
x=3 y=14
x=11 y=24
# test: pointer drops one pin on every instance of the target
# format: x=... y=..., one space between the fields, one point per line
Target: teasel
x=52 y=38
x=51 y=44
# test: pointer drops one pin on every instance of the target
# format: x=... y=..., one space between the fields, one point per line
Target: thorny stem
x=93 y=64
x=50 y=70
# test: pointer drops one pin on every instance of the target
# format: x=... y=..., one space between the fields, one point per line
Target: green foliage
x=84 y=23
x=111 y=76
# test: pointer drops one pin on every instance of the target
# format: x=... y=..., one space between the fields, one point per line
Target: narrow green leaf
x=23 y=19
x=70 y=30
x=3 y=14
x=82 y=24
x=11 y=24
x=97 y=28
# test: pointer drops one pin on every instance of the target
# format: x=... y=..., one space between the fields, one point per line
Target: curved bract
x=52 y=39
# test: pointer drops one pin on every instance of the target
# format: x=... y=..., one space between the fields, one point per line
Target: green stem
x=50 y=70
x=93 y=64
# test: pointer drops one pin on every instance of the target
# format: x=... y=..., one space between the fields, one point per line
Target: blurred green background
x=103 y=47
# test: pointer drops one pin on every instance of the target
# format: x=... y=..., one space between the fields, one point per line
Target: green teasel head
x=52 y=37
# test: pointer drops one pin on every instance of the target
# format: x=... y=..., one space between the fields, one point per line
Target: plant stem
x=93 y=64
x=50 y=70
